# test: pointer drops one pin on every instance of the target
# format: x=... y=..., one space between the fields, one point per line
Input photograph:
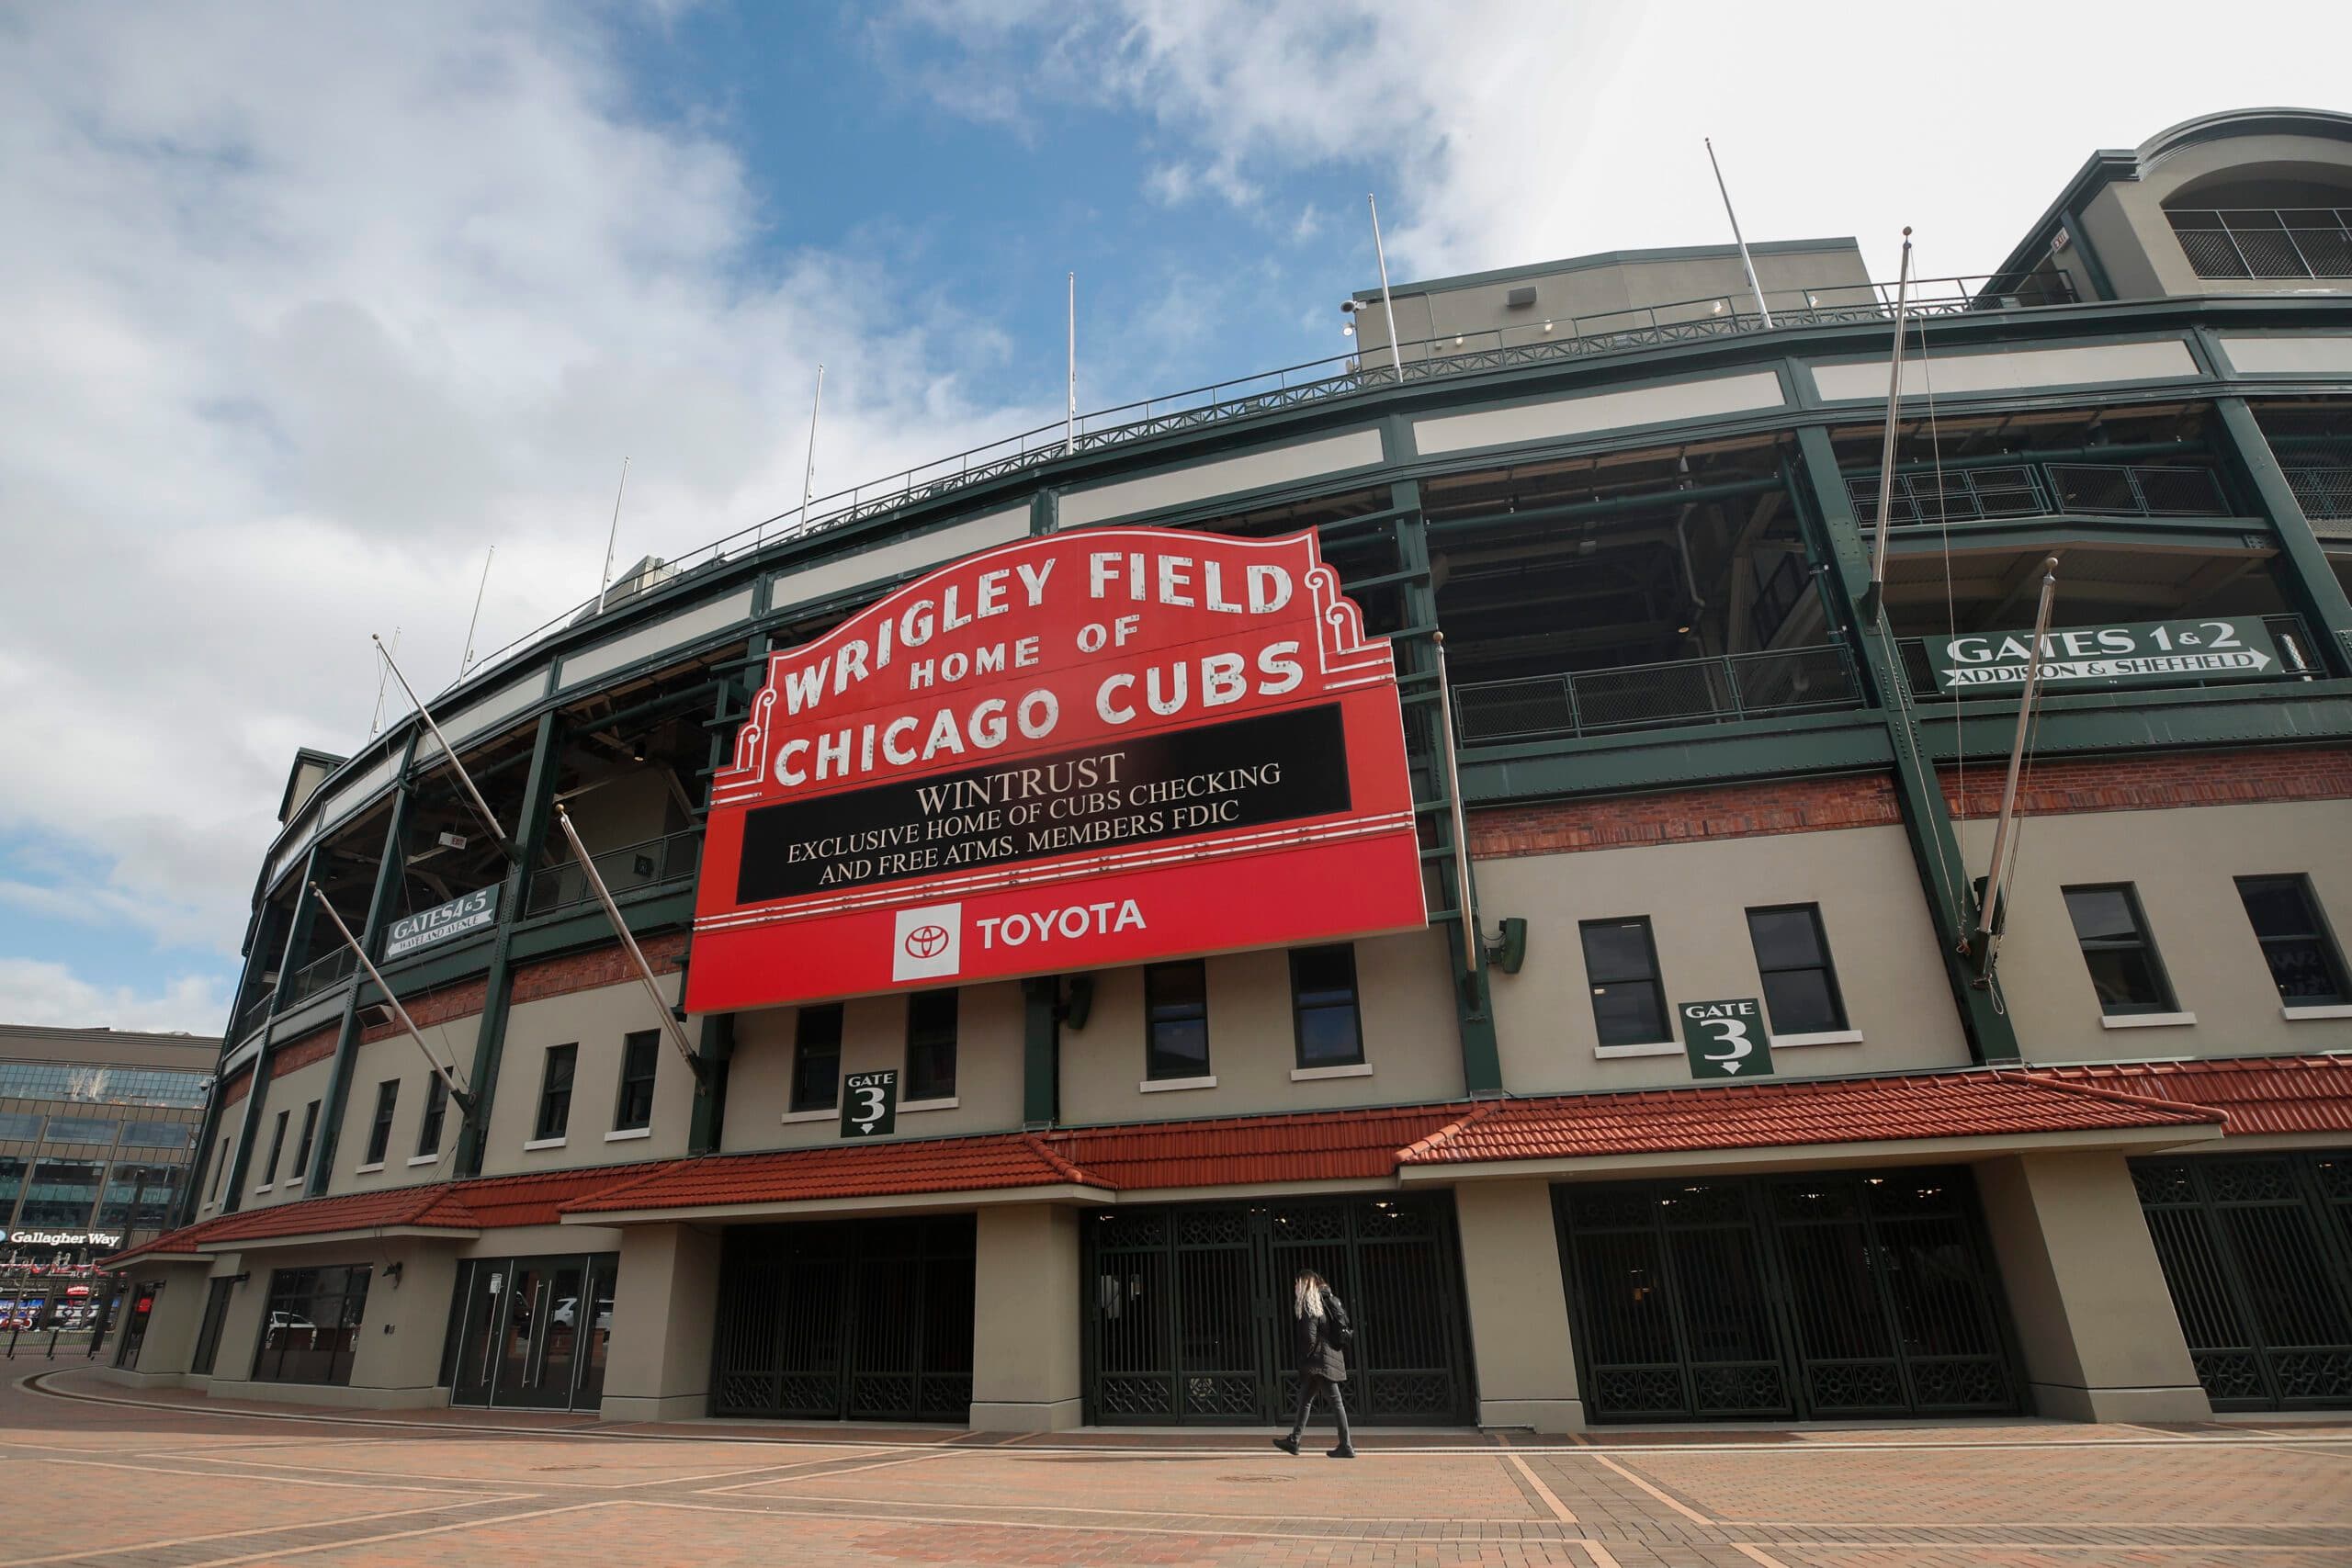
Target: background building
x=97 y=1130
x=2098 y=1169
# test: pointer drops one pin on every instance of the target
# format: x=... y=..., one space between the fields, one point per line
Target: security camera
x=1347 y=307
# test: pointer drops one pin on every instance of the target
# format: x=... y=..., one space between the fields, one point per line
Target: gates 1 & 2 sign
x=2235 y=647
x=1092 y=748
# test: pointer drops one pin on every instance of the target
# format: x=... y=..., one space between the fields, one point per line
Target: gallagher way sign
x=442 y=923
x=2142 y=653
x=1099 y=748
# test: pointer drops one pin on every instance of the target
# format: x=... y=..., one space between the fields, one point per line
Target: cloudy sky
x=306 y=307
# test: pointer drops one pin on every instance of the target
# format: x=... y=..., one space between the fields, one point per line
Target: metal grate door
x=1188 y=1317
x=856 y=1320
x=1798 y=1296
x=2257 y=1253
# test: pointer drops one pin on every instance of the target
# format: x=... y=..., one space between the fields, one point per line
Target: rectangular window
x=133 y=1191
x=208 y=1332
x=61 y=1193
x=158 y=1134
x=2117 y=948
x=640 y=1053
x=555 y=1091
x=12 y=1181
x=277 y=1150
x=436 y=1103
x=302 y=1149
x=1621 y=966
x=80 y=1130
x=311 y=1325
x=816 y=1058
x=1176 y=1012
x=17 y=1125
x=1324 y=1019
x=380 y=1131
x=2304 y=962
x=1793 y=956
x=930 y=1046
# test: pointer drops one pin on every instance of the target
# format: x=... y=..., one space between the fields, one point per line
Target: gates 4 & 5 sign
x=1727 y=1040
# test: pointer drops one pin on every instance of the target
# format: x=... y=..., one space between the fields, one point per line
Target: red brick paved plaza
x=96 y=1478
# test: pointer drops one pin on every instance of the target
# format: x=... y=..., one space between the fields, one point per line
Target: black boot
x=1347 y=1449
x=1288 y=1446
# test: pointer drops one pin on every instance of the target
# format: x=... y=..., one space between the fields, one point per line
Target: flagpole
x=446 y=1076
x=482 y=806
x=467 y=661
x=636 y=953
x=1746 y=261
x=376 y=721
x=1894 y=413
x=1069 y=430
x=604 y=579
x=1997 y=872
x=1471 y=934
x=1396 y=355
x=808 y=469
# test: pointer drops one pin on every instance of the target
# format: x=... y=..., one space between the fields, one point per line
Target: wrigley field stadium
x=1560 y=820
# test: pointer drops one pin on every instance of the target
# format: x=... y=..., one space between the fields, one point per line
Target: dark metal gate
x=2257 y=1253
x=1188 y=1315
x=867 y=1320
x=1793 y=1296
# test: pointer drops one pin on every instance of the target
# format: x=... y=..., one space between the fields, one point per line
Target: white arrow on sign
x=1734 y=1035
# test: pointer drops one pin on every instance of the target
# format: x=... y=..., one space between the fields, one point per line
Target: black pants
x=1311 y=1387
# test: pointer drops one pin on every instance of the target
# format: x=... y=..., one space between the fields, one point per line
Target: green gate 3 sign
x=2219 y=648
x=869 y=1104
x=1727 y=1040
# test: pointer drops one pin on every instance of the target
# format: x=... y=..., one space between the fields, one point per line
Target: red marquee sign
x=1093 y=748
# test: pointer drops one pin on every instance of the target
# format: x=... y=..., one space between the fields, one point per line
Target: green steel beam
x=1482 y=1069
x=1041 y=1051
x=1606 y=506
x=490 y=1040
x=1835 y=538
x=708 y=1130
x=2311 y=580
x=1683 y=758
x=297 y=928
x=390 y=873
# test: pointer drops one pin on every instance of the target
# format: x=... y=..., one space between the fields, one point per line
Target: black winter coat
x=1321 y=1352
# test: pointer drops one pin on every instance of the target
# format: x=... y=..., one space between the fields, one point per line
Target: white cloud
x=39 y=993
x=306 y=308
x=1508 y=132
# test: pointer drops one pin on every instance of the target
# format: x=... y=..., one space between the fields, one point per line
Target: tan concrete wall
x=1025 y=1336
x=1882 y=944
x=542 y=1241
x=398 y=1057
x=658 y=1364
x=597 y=1021
x=290 y=1093
x=396 y=1356
x=170 y=1343
x=873 y=1039
x=2086 y=1294
x=1519 y=1306
x=1405 y=1004
x=2141 y=204
x=2190 y=902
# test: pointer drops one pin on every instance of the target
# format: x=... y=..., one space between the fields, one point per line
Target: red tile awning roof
x=888 y=1170
x=2262 y=1094
x=1791 y=1112
x=484 y=1203
x=1340 y=1145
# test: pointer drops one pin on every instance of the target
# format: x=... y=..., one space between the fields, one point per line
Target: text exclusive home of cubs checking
x=1095 y=749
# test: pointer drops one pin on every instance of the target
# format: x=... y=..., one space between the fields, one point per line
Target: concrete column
x=2093 y=1317
x=1025 y=1336
x=398 y=1357
x=665 y=1307
x=1519 y=1306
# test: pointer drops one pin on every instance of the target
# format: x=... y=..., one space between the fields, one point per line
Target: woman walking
x=1321 y=1326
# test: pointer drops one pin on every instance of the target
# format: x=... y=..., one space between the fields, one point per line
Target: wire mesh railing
x=650 y=864
x=1993 y=491
x=1714 y=690
x=321 y=974
x=1540 y=342
x=2264 y=241
x=2299 y=659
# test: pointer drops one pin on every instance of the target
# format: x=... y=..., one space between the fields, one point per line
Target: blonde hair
x=1306 y=1294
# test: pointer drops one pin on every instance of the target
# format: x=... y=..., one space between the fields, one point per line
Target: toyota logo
x=926 y=942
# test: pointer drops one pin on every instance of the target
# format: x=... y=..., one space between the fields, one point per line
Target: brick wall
x=1683 y=816
x=2156 y=782
x=2055 y=787
x=435 y=1007
x=587 y=971
x=315 y=1046
x=236 y=1087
